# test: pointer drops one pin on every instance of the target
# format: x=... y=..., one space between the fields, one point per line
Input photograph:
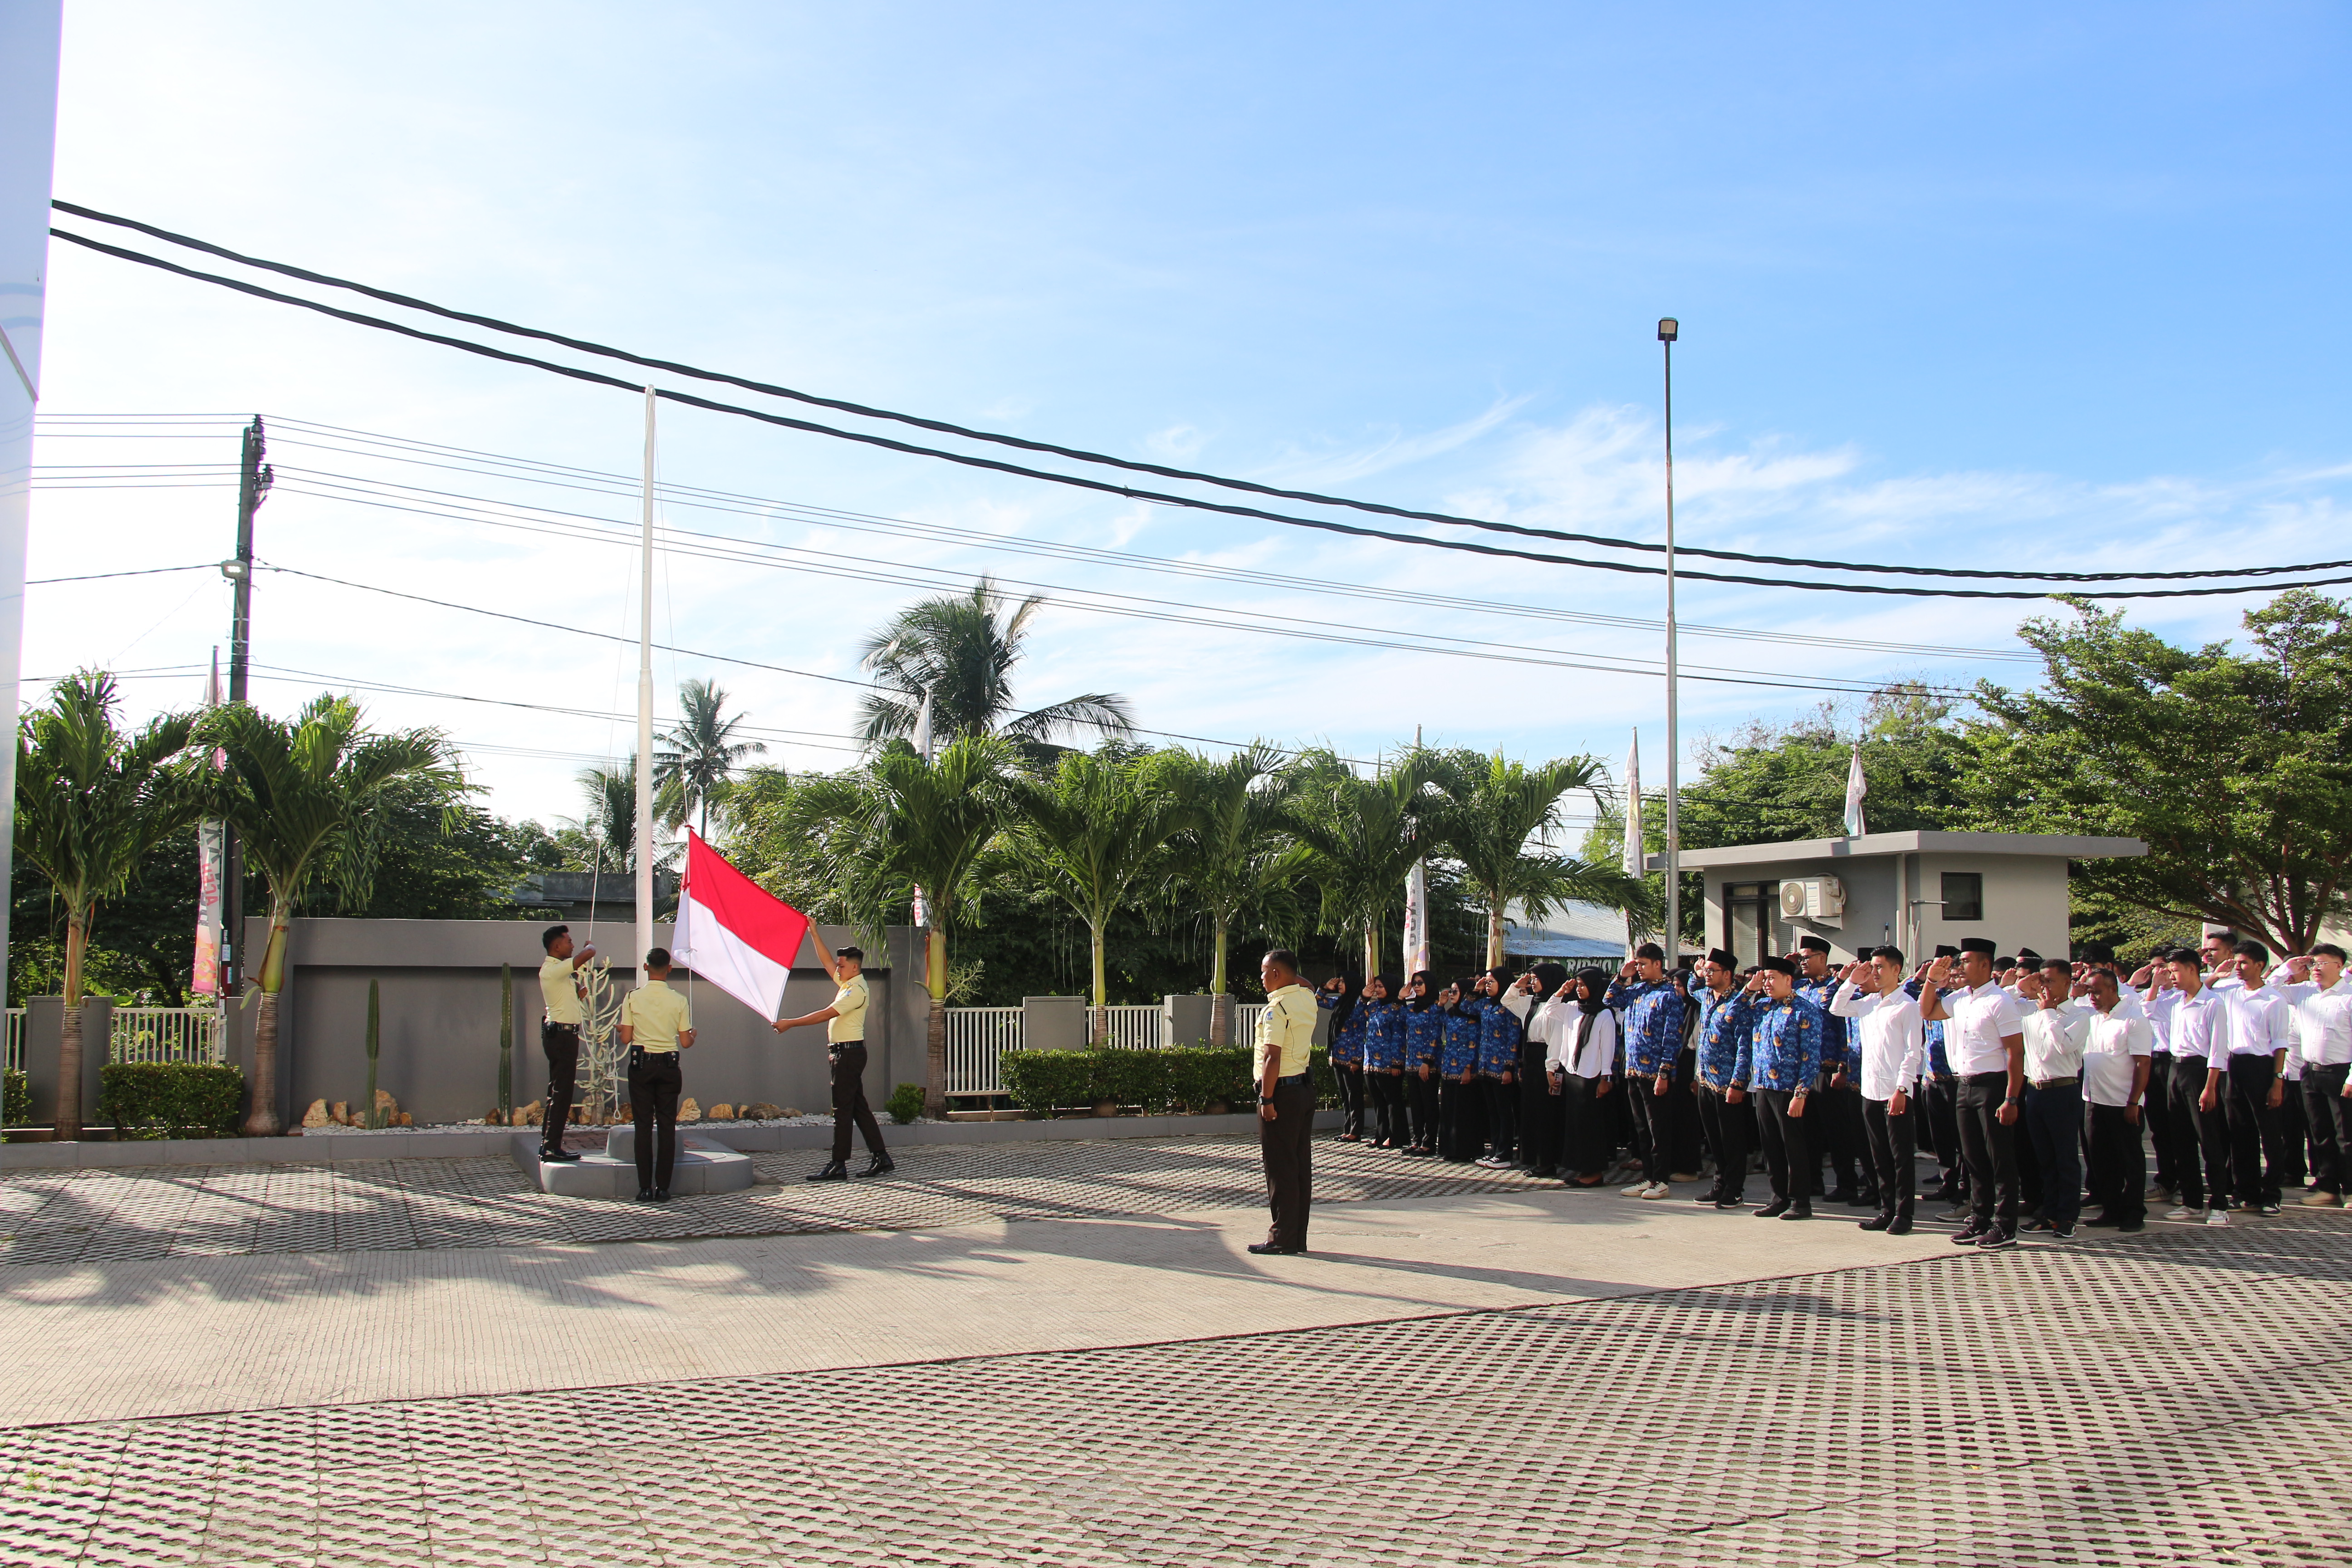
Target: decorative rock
x=760 y=1110
x=387 y=1110
x=316 y=1115
x=789 y=1112
x=407 y=1120
x=627 y=1113
x=530 y=1115
x=722 y=1111
x=340 y=1113
x=688 y=1111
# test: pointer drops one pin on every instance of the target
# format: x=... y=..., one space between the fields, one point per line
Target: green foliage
x=1092 y=833
x=15 y=1099
x=963 y=648
x=1496 y=820
x=1360 y=834
x=1200 y=1076
x=2235 y=769
x=1231 y=854
x=694 y=771
x=169 y=1099
x=905 y=1104
x=375 y=1042
x=1043 y=1082
x=1185 y=1080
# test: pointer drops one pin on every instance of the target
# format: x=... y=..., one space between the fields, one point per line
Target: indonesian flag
x=733 y=932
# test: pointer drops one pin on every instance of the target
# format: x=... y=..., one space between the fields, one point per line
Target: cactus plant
x=506 y=1044
x=375 y=1116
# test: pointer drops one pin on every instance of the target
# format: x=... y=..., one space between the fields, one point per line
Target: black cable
x=1078 y=482
x=1080 y=455
x=146 y=572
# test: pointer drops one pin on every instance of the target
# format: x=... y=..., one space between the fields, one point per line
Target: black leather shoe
x=881 y=1166
x=1734 y=1202
x=1800 y=1211
x=1841 y=1195
x=1268 y=1250
x=1879 y=1222
x=661 y=1194
x=1900 y=1226
x=836 y=1172
x=644 y=1194
x=559 y=1156
x=1774 y=1209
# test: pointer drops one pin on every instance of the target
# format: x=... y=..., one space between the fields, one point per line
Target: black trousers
x=1387 y=1090
x=1943 y=1098
x=1788 y=1158
x=1420 y=1107
x=1652 y=1138
x=2118 y=1168
x=2295 y=1137
x=1988 y=1150
x=1730 y=1130
x=655 y=1079
x=1351 y=1099
x=1836 y=1115
x=2201 y=1139
x=1502 y=1118
x=1893 y=1151
x=561 y=1043
x=1460 y=1111
x=2053 y=1118
x=2257 y=1154
x=1590 y=1136
x=2329 y=1115
x=1683 y=1151
x=1542 y=1117
x=1285 y=1146
x=849 y=1062
x=2155 y=1122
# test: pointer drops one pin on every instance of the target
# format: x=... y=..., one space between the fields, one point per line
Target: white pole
x=1667 y=331
x=644 y=829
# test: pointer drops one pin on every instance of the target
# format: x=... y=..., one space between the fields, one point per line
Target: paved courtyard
x=1469 y=1371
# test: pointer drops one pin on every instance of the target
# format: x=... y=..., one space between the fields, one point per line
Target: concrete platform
x=704 y=1166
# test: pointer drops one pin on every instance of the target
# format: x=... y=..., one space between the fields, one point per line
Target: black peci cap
x=1777 y=964
x=1978 y=944
x=1722 y=955
x=1812 y=943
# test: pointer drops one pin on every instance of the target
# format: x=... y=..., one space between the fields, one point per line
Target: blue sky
x=1956 y=284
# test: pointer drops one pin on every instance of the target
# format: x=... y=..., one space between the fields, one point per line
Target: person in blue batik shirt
x=1499 y=1067
x=1460 y=1102
x=1725 y=1113
x=1384 y=1027
x=1837 y=1127
x=1424 y=1043
x=1653 y=1005
x=1347 y=1036
x=1779 y=1065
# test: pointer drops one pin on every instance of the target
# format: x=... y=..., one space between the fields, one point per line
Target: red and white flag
x=733 y=932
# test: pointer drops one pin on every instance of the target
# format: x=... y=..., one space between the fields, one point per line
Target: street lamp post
x=1669 y=330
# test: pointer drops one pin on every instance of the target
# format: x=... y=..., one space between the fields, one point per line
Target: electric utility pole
x=252 y=484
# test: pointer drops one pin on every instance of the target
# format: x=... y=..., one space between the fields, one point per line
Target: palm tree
x=1491 y=812
x=1232 y=851
x=609 y=821
x=91 y=803
x=961 y=649
x=1360 y=835
x=1091 y=832
x=302 y=796
x=698 y=770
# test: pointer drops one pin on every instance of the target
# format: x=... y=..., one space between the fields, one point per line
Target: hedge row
x=15 y=1099
x=1184 y=1080
x=169 y=1099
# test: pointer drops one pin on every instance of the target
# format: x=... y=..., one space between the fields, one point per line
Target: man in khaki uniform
x=559 y=1034
x=1286 y=1131
x=845 y=1033
x=655 y=1025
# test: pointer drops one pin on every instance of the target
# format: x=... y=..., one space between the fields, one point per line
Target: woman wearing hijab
x=1425 y=1046
x=1541 y=1114
x=1460 y=1105
x=1384 y=1030
x=1347 y=1038
x=1498 y=1065
x=1581 y=1057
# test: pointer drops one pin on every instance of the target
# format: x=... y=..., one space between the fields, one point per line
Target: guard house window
x=1748 y=911
x=1963 y=895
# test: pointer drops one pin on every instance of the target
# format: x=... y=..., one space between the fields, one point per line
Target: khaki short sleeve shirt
x=656 y=1016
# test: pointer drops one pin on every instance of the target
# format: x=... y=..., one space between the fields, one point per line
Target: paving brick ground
x=2176 y=1398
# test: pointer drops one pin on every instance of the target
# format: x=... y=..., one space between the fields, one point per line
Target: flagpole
x=644 y=825
x=1669 y=330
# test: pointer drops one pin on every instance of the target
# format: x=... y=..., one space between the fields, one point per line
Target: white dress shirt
x=2323 y=1020
x=2109 y=1044
x=1979 y=1021
x=2200 y=1026
x=2054 y=1043
x=2260 y=1021
x=2159 y=1015
x=1559 y=1025
x=1893 y=1040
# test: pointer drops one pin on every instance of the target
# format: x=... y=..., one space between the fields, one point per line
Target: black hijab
x=1595 y=982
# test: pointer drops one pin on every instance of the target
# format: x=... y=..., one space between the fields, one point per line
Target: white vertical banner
x=211 y=846
x=1856 y=788
x=1416 y=918
x=1636 y=858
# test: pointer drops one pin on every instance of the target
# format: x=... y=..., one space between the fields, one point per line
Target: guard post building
x=1916 y=890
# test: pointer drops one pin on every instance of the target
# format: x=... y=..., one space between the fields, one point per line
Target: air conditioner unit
x=1812 y=899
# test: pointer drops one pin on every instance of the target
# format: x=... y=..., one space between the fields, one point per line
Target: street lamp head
x=235 y=570
x=1668 y=328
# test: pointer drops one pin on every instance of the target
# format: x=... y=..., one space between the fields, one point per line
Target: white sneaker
x=1655 y=1190
x=1638 y=1190
x=2216 y=1217
x=2184 y=1214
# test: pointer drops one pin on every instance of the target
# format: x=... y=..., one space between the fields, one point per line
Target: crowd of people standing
x=2037 y=1084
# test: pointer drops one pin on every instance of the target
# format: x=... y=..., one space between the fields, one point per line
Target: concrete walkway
x=105 y=1340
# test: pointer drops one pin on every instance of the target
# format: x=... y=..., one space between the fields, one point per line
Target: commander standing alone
x=1285 y=1034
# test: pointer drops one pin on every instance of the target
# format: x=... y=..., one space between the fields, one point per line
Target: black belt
x=1293 y=1081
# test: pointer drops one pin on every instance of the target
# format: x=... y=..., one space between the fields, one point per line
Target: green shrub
x=169 y=1099
x=905 y=1103
x=1326 y=1081
x=1041 y=1082
x=1200 y=1076
x=15 y=1099
x=1140 y=1078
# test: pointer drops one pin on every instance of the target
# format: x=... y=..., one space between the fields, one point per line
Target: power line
x=1228 y=508
x=605 y=350
x=142 y=572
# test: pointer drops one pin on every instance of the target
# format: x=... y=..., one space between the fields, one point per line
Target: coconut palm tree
x=91 y=803
x=696 y=769
x=302 y=796
x=1497 y=818
x=609 y=823
x=1091 y=832
x=1232 y=853
x=1361 y=836
x=963 y=649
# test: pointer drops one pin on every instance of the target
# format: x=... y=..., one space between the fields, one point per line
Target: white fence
x=1133 y=1028
x=1246 y=1017
x=977 y=1039
x=165 y=1034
